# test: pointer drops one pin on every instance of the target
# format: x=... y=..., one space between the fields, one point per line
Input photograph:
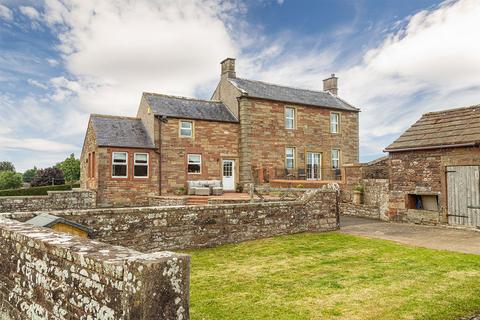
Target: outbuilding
x=434 y=169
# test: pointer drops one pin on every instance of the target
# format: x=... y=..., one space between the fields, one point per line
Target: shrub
x=29 y=174
x=10 y=180
x=300 y=186
x=36 y=191
x=358 y=188
x=180 y=191
x=48 y=176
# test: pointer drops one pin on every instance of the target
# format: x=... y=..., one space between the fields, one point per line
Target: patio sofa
x=205 y=187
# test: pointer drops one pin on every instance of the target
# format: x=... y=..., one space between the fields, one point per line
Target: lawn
x=332 y=276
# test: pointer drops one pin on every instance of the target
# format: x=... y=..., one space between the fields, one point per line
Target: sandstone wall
x=49 y=275
x=179 y=227
x=55 y=200
x=359 y=210
x=214 y=141
x=263 y=136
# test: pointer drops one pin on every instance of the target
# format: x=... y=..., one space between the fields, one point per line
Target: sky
x=61 y=60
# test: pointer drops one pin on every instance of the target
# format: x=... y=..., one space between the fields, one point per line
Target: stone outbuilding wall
x=375 y=200
x=50 y=275
x=55 y=200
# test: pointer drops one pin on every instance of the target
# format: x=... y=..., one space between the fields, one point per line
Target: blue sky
x=62 y=60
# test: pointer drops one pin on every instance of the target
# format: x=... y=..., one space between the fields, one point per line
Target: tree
x=7 y=166
x=48 y=177
x=29 y=174
x=70 y=168
x=10 y=180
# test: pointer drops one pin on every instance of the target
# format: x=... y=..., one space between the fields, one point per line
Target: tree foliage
x=10 y=180
x=29 y=174
x=48 y=176
x=70 y=168
x=7 y=166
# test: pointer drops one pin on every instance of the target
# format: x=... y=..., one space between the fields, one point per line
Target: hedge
x=36 y=191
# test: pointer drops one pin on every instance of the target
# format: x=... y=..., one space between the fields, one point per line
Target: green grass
x=36 y=191
x=332 y=276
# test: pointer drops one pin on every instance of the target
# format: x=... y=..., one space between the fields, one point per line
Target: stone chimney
x=228 y=68
x=331 y=84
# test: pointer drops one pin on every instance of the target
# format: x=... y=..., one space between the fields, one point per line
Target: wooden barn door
x=463 y=194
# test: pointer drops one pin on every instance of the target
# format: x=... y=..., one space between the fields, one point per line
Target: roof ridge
x=284 y=86
x=451 y=110
x=181 y=97
x=112 y=116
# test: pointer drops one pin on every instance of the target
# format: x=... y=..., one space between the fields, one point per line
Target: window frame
x=192 y=128
x=338 y=159
x=294 y=118
x=188 y=162
x=126 y=165
x=142 y=164
x=337 y=122
x=293 y=158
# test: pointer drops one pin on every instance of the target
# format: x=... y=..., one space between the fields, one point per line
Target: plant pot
x=357 y=197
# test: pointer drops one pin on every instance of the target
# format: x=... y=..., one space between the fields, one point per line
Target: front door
x=313 y=166
x=228 y=169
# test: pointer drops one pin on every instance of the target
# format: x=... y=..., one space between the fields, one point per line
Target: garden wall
x=179 y=227
x=375 y=200
x=55 y=200
x=49 y=275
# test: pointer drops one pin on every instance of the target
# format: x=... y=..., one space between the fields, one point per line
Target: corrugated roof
x=187 y=108
x=448 y=128
x=259 y=89
x=112 y=131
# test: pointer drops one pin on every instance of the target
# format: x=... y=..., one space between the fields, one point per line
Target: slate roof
x=448 y=128
x=47 y=220
x=263 y=90
x=186 y=108
x=112 y=131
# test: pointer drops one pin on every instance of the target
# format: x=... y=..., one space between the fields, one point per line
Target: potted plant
x=357 y=194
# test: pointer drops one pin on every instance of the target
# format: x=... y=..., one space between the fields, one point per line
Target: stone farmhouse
x=434 y=169
x=250 y=131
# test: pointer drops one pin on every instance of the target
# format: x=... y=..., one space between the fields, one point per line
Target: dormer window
x=289 y=118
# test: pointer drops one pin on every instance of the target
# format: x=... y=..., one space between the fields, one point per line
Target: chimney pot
x=331 y=84
x=228 y=68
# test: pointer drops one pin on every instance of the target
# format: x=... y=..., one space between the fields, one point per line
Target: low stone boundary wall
x=180 y=227
x=360 y=210
x=55 y=200
x=49 y=275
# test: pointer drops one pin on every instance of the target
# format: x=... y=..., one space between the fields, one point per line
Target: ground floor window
x=335 y=158
x=289 y=158
x=194 y=163
x=119 y=164
x=140 y=167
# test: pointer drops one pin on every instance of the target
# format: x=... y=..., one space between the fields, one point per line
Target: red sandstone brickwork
x=263 y=136
x=88 y=181
x=424 y=171
x=213 y=140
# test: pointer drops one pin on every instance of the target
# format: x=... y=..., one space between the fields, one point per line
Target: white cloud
x=5 y=13
x=123 y=48
x=432 y=63
x=37 y=84
x=35 y=145
x=52 y=62
x=30 y=12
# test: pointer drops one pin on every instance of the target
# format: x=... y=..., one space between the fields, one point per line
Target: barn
x=434 y=169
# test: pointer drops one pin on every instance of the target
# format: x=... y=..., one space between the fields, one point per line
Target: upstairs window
x=335 y=158
x=119 y=164
x=186 y=129
x=334 y=122
x=140 y=165
x=289 y=158
x=289 y=118
x=194 y=163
